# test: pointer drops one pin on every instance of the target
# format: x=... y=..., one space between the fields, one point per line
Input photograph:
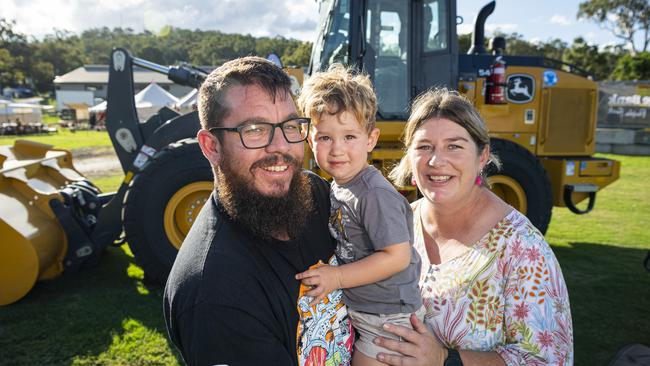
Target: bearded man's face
x=264 y=188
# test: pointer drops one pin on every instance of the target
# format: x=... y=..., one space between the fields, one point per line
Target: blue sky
x=535 y=20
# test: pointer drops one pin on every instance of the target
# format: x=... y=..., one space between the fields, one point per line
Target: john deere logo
x=521 y=88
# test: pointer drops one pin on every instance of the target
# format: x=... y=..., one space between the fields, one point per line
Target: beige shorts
x=370 y=326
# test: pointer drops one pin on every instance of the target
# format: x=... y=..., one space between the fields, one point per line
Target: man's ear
x=373 y=137
x=210 y=146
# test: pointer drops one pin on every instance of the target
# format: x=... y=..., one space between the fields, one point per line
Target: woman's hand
x=322 y=280
x=418 y=346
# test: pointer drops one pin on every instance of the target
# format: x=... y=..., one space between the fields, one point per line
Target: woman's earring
x=413 y=182
x=479 y=178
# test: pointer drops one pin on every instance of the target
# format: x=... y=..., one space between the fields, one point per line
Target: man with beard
x=231 y=297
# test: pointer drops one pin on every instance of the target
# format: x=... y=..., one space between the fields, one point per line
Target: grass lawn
x=64 y=139
x=108 y=315
x=601 y=255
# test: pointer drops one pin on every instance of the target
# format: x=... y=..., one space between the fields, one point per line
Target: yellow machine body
x=32 y=242
x=558 y=123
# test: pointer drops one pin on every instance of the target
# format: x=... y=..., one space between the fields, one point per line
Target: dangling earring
x=479 y=178
x=413 y=182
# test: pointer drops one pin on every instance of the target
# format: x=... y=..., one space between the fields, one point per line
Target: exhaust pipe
x=478 y=37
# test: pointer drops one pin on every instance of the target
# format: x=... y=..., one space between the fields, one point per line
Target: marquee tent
x=147 y=102
x=188 y=102
x=24 y=112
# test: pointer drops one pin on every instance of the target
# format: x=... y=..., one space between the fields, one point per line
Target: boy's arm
x=373 y=268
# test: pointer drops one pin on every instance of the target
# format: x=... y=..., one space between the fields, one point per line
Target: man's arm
x=210 y=334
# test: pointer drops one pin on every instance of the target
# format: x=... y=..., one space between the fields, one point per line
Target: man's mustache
x=274 y=159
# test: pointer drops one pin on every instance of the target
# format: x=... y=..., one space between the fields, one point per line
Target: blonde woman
x=492 y=287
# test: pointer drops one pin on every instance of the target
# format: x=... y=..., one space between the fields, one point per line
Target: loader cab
x=405 y=46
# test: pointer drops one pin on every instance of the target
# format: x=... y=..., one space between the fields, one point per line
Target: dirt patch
x=96 y=162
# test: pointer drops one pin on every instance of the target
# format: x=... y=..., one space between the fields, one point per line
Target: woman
x=492 y=288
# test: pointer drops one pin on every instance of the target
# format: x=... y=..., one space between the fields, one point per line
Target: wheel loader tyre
x=162 y=203
x=522 y=182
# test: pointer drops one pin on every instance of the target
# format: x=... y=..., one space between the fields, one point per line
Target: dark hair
x=250 y=70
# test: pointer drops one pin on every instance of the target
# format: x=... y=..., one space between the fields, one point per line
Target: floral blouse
x=506 y=294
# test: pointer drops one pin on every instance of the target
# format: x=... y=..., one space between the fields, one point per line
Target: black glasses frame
x=273 y=127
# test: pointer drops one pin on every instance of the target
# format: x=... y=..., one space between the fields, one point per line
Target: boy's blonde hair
x=337 y=90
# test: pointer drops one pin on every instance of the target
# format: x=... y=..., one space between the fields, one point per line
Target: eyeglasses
x=260 y=134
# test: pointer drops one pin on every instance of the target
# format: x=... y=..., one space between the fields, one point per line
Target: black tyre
x=162 y=203
x=522 y=182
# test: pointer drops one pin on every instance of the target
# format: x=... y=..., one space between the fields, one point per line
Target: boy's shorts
x=370 y=326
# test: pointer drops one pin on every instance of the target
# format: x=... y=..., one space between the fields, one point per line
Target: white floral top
x=506 y=294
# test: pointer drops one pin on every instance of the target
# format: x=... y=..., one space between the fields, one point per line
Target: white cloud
x=505 y=28
x=286 y=18
x=537 y=19
x=560 y=19
x=464 y=28
x=589 y=36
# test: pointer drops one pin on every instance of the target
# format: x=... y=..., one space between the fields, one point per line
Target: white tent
x=147 y=102
x=188 y=102
x=150 y=99
x=24 y=112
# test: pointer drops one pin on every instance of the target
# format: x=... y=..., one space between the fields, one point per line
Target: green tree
x=299 y=56
x=464 y=42
x=590 y=59
x=624 y=18
x=633 y=67
x=14 y=55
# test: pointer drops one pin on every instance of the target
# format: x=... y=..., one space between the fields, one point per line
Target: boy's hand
x=322 y=280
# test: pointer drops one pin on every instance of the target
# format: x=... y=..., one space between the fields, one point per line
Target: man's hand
x=322 y=280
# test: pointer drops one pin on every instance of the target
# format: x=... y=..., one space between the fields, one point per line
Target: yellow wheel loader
x=52 y=220
x=541 y=114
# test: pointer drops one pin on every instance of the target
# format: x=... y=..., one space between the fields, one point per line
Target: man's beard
x=265 y=216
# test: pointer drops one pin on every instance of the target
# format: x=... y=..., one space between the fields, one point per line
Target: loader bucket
x=32 y=243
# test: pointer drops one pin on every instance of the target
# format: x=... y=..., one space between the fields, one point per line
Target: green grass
x=109 y=184
x=107 y=315
x=64 y=139
x=601 y=255
x=104 y=315
x=47 y=119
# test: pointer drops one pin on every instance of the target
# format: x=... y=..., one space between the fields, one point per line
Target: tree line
x=31 y=62
x=610 y=63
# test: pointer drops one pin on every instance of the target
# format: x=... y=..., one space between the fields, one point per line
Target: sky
x=535 y=20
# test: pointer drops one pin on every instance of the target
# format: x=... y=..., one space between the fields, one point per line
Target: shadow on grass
x=609 y=290
x=95 y=316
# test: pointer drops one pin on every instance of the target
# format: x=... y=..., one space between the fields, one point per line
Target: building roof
x=98 y=74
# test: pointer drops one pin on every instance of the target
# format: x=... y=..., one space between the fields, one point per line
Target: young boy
x=370 y=220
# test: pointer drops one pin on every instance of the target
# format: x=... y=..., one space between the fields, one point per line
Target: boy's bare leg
x=359 y=359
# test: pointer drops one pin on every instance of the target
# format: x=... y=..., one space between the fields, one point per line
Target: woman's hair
x=337 y=90
x=447 y=104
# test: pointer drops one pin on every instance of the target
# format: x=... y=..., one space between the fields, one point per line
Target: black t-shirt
x=233 y=299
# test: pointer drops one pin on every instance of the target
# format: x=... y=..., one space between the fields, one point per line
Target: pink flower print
x=545 y=339
x=517 y=248
x=521 y=311
x=532 y=254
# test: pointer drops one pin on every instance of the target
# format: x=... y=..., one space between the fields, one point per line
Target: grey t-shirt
x=367 y=215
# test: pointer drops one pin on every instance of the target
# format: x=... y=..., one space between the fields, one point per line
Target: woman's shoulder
x=524 y=240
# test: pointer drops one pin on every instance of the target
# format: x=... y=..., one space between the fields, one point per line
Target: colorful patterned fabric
x=506 y=294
